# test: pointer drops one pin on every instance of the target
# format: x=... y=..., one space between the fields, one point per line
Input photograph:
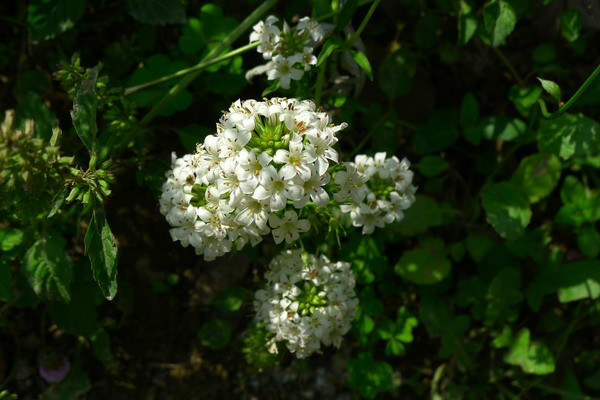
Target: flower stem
x=234 y=35
x=573 y=98
x=509 y=65
x=195 y=68
x=363 y=24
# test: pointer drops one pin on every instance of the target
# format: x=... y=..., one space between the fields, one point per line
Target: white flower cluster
x=290 y=50
x=308 y=301
x=375 y=190
x=267 y=159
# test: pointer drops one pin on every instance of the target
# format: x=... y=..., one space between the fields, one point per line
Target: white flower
x=288 y=228
x=296 y=161
x=307 y=301
x=283 y=68
x=277 y=188
x=313 y=188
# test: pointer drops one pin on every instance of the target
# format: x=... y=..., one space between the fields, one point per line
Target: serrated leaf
x=48 y=268
x=363 y=62
x=537 y=175
x=506 y=208
x=552 y=88
x=48 y=18
x=533 y=358
x=569 y=135
x=101 y=248
x=83 y=113
x=500 y=19
x=157 y=12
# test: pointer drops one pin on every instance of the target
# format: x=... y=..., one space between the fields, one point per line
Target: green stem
x=573 y=98
x=509 y=65
x=363 y=24
x=234 y=35
x=197 y=67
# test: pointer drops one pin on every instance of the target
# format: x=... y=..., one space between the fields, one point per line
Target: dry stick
x=237 y=32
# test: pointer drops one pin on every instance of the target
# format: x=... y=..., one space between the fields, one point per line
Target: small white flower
x=288 y=227
x=277 y=188
x=283 y=68
x=296 y=161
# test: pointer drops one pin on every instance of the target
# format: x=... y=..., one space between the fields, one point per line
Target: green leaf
x=345 y=15
x=78 y=317
x=370 y=303
x=423 y=214
x=494 y=128
x=552 y=88
x=57 y=201
x=478 y=245
x=328 y=47
x=84 y=111
x=440 y=131
x=533 y=358
x=467 y=23
x=502 y=297
x=48 y=268
x=500 y=19
x=426 y=31
x=366 y=257
x=100 y=341
x=569 y=135
x=537 y=176
x=10 y=238
x=157 y=12
x=396 y=73
x=543 y=53
x=230 y=299
x=215 y=334
x=101 y=248
x=426 y=265
x=369 y=377
x=432 y=165
x=506 y=208
x=5 y=281
x=32 y=107
x=469 y=110
x=363 y=62
x=570 y=24
x=48 y=18
x=524 y=97
x=439 y=321
x=588 y=240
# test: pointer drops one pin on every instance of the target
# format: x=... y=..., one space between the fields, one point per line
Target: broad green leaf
x=432 y=165
x=5 y=281
x=493 y=128
x=100 y=341
x=477 y=245
x=369 y=302
x=10 y=238
x=502 y=297
x=211 y=27
x=500 y=19
x=345 y=16
x=469 y=110
x=533 y=358
x=588 y=240
x=396 y=73
x=440 y=321
x=57 y=201
x=426 y=265
x=364 y=324
x=48 y=18
x=230 y=299
x=101 y=248
x=32 y=107
x=369 y=377
x=471 y=292
x=524 y=97
x=157 y=12
x=328 y=47
x=48 y=268
x=78 y=317
x=580 y=204
x=363 y=62
x=503 y=339
x=569 y=135
x=537 y=176
x=570 y=24
x=467 y=23
x=590 y=288
x=552 y=88
x=506 y=208
x=423 y=214
x=84 y=111
x=366 y=256
x=215 y=334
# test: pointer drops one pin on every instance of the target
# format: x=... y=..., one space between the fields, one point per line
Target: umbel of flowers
x=267 y=160
x=289 y=50
x=307 y=301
